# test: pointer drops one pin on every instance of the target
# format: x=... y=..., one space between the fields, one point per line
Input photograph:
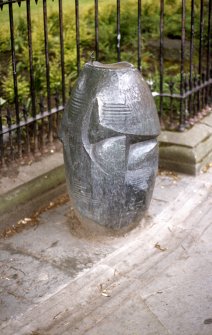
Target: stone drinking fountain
x=109 y=132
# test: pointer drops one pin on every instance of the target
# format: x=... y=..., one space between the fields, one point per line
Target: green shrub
x=107 y=44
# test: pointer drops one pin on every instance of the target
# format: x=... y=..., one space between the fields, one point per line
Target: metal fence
x=29 y=115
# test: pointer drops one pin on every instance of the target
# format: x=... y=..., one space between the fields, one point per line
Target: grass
x=52 y=6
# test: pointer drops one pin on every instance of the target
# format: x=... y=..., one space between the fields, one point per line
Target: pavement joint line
x=156 y=317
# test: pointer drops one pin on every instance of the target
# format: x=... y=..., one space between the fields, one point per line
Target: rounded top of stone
x=113 y=66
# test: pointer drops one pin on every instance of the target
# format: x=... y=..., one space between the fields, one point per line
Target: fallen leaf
x=171 y=174
x=105 y=293
x=208 y=321
x=206 y=168
x=34 y=220
x=27 y=219
x=158 y=246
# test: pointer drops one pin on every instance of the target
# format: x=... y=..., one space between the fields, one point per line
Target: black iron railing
x=29 y=120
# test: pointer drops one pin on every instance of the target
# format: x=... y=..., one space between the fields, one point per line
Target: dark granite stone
x=109 y=131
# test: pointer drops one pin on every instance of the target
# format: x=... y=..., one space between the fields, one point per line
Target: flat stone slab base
x=187 y=152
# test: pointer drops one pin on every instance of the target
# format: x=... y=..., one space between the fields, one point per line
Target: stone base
x=187 y=152
x=82 y=227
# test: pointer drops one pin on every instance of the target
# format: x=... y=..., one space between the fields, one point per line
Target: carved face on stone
x=109 y=131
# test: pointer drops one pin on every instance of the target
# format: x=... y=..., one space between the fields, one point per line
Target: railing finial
x=92 y=57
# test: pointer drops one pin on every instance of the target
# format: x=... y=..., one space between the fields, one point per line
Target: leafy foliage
x=107 y=44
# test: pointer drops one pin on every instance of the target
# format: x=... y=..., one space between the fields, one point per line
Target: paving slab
x=156 y=279
x=51 y=252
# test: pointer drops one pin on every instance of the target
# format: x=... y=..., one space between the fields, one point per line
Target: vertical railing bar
x=139 y=35
x=42 y=135
x=208 y=61
x=210 y=88
x=41 y=125
x=25 y=113
x=1 y=141
x=32 y=82
x=201 y=36
x=181 y=125
x=9 y=122
x=77 y=35
x=15 y=82
x=56 y=98
x=118 y=32
x=171 y=89
x=191 y=67
x=31 y=68
x=96 y=3
x=203 y=94
x=186 y=88
x=46 y=55
x=62 y=50
x=201 y=25
x=161 y=55
x=195 y=98
x=50 y=120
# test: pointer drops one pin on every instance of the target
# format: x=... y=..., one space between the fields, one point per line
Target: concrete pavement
x=58 y=278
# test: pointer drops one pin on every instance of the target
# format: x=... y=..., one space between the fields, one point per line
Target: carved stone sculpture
x=109 y=130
